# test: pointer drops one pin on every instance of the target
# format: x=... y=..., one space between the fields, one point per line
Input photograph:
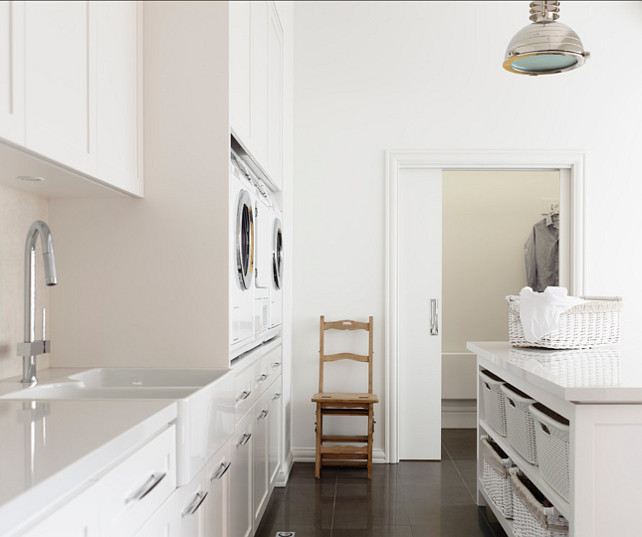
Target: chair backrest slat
x=345 y=324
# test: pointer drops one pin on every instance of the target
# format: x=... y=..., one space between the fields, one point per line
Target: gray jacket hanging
x=541 y=253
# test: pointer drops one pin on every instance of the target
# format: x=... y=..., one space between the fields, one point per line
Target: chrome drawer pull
x=196 y=503
x=245 y=439
x=262 y=377
x=263 y=414
x=225 y=466
x=147 y=487
x=276 y=396
x=276 y=364
x=243 y=395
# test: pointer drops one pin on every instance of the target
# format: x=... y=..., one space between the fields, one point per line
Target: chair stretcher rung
x=344 y=438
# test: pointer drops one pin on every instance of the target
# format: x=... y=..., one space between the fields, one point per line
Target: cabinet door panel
x=259 y=77
x=77 y=518
x=241 y=478
x=260 y=460
x=240 y=62
x=275 y=97
x=59 y=82
x=117 y=90
x=275 y=430
x=218 y=471
x=12 y=118
x=193 y=504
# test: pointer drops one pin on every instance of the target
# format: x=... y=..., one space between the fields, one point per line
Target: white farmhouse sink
x=205 y=400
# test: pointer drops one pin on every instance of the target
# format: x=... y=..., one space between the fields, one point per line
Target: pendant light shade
x=544 y=47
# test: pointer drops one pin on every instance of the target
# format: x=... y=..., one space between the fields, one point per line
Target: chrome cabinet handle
x=263 y=377
x=147 y=487
x=263 y=414
x=245 y=439
x=276 y=364
x=196 y=503
x=276 y=396
x=225 y=466
x=243 y=395
x=434 y=317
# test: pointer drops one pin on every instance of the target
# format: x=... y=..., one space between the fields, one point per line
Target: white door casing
x=571 y=163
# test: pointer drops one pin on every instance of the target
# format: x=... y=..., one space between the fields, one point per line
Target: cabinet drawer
x=133 y=490
x=268 y=368
x=244 y=392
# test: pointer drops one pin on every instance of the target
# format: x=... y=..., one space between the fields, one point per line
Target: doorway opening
x=491 y=200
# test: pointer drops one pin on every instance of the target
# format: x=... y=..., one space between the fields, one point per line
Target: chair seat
x=345 y=398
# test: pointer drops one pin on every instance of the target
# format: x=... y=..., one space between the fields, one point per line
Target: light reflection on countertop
x=602 y=374
x=50 y=449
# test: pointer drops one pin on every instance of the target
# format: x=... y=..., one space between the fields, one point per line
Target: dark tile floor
x=409 y=499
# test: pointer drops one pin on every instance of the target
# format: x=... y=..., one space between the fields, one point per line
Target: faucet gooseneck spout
x=31 y=348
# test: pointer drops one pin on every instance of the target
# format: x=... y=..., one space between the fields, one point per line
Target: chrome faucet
x=31 y=348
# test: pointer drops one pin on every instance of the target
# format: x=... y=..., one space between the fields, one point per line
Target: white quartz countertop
x=599 y=375
x=51 y=449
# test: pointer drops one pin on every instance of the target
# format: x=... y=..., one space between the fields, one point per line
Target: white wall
x=146 y=281
x=487 y=217
x=371 y=76
x=18 y=210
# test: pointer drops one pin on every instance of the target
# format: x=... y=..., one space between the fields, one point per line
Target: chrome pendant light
x=544 y=47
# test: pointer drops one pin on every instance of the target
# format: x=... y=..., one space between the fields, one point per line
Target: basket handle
x=510 y=402
x=545 y=429
x=487 y=386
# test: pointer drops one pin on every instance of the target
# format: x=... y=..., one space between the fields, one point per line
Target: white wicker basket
x=520 y=425
x=593 y=323
x=495 y=476
x=493 y=401
x=533 y=514
x=575 y=368
x=552 y=434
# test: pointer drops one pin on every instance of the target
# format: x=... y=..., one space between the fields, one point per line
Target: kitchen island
x=599 y=391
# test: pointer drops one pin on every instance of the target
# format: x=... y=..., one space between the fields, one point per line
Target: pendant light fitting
x=546 y=46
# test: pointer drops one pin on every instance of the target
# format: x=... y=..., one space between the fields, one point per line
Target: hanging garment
x=541 y=253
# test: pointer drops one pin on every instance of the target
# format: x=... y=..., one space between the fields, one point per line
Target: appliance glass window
x=245 y=240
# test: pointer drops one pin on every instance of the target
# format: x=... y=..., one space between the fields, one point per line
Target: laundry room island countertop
x=600 y=375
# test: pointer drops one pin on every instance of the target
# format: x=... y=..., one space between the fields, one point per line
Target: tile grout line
x=468 y=489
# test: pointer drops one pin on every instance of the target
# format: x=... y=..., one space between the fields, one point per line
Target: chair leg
x=370 y=435
x=317 y=464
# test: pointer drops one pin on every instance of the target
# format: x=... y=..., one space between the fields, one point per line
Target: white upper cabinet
x=78 y=66
x=118 y=85
x=12 y=78
x=256 y=83
x=59 y=83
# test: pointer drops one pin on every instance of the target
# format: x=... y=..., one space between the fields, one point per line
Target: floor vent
x=285 y=533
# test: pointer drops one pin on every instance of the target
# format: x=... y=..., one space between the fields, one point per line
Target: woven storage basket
x=493 y=401
x=575 y=368
x=593 y=323
x=533 y=514
x=552 y=436
x=495 y=476
x=520 y=425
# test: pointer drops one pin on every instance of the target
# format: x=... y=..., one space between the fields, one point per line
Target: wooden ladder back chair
x=330 y=449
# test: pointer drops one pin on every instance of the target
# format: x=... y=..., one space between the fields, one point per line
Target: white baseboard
x=308 y=454
x=458 y=414
x=284 y=474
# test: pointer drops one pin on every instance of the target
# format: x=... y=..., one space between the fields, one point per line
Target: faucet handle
x=34 y=348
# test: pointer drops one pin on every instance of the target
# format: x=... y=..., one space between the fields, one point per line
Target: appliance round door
x=277 y=253
x=245 y=239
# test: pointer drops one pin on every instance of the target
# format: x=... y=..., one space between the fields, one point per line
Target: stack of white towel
x=540 y=312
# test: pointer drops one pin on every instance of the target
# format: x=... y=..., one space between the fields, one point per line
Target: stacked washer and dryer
x=256 y=259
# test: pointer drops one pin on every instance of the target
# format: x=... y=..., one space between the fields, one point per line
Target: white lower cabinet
x=275 y=396
x=218 y=471
x=78 y=518
x=241 y=447
x=191 y=505
x=260 y=458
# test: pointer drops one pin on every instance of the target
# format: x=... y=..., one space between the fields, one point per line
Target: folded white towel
x=540 y=312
